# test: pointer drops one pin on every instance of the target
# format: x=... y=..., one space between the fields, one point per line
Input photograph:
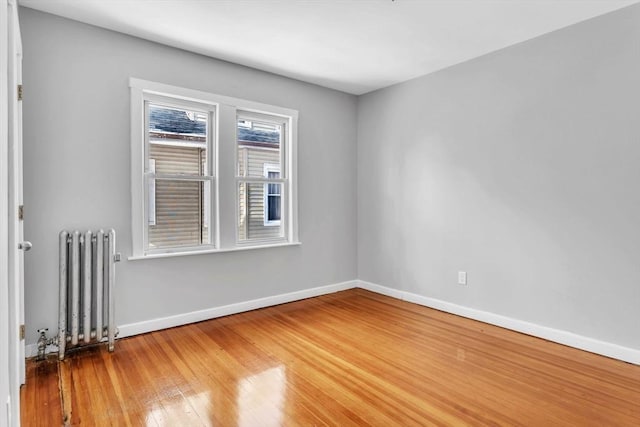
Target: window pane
x=273 y=208
x=171 y=159
x=178 y=140
x=258 y=144
x=273 y=189
x=179 y=214
x=258 y=214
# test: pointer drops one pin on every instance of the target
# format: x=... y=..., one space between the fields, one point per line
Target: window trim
x=223 y=204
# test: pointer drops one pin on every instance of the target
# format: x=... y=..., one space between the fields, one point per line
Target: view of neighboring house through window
x=178 y=176
x=260 y=158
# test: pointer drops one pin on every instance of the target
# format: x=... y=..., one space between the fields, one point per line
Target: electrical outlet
x=462 y=277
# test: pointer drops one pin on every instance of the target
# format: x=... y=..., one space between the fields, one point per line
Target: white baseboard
x=570 y=339
x=383 y=290
x=225 y=310
x=603 y=348
x=31 y=350
x=130 y=329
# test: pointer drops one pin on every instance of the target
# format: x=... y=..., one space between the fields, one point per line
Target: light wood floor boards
x=350 y=358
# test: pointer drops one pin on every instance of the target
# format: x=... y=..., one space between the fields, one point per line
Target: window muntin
x=178 y=175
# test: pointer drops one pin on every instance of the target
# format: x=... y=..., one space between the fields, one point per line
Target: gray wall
x=519 y=167
x=77 y=172
x=522 y=168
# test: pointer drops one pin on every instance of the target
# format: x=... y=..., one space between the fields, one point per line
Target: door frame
x=6 y=393
x=15 y=222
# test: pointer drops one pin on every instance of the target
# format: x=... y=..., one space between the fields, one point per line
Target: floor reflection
x=261 y=398
x=181 y=409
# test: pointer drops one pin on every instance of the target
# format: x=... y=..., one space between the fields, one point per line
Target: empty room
x=320 y=212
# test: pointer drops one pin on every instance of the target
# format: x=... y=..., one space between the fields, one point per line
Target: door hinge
x=21 y=212
x=19 y=92
x=22 y=332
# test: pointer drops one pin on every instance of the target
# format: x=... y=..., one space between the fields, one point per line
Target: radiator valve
x=42 y=343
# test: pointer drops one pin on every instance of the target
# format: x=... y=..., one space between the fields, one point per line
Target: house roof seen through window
x=166 y=120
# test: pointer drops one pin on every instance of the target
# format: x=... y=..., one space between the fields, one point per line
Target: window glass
x=179 y=214
x=252 y=206
x=258 y=143
x=177 y=150
x=259 y=162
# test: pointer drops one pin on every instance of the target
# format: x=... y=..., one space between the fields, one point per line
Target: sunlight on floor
x=261 y=398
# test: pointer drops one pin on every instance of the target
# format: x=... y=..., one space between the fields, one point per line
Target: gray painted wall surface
x=77 y=172
x=519 y=167
x=522 y=168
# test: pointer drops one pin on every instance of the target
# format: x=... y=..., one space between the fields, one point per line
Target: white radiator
x=87 y=275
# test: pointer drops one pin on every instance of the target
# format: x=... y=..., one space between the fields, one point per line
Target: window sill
x=211 y=251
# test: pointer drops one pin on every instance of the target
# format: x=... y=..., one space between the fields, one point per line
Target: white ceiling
x=354 y=46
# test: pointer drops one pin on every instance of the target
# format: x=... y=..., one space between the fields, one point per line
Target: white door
x=17 y=245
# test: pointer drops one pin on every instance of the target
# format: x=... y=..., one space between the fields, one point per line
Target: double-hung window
x=209 y=173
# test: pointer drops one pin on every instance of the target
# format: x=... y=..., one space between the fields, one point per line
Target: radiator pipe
x=42 y=343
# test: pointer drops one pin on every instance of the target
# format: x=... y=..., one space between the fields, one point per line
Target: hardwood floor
x=349 y=358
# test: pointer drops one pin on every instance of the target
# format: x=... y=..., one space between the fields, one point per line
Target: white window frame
x=149 y=174
x=286 y=142
x=222 y=163
x=270 y=167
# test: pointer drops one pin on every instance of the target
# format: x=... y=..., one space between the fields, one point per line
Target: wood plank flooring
x=349 y=358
